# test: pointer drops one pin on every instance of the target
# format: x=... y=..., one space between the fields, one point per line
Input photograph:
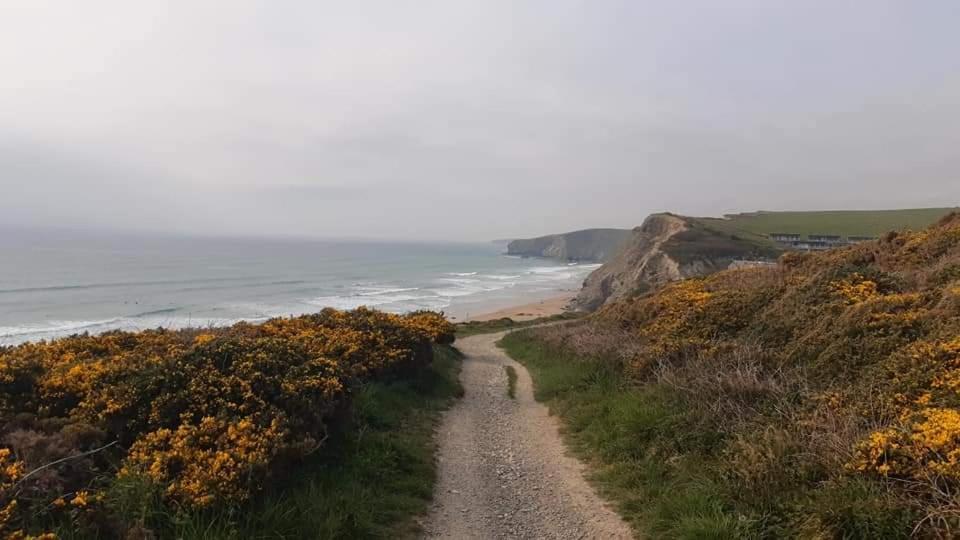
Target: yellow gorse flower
x=80 y=499
x=855 y=289
x=209 y=415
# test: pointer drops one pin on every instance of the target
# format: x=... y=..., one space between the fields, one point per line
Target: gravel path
x=504 y=473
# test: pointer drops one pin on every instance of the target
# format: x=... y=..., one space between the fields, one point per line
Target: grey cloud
x=469 y=120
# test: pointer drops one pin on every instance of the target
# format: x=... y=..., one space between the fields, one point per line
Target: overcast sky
x=473 y=119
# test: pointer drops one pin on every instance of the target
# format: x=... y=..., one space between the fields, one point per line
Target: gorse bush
x=200 y=419
x=826 y=389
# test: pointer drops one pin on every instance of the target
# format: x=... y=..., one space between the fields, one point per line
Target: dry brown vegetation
x=817 y=398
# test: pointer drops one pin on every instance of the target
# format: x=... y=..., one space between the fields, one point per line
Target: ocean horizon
x=57 y=283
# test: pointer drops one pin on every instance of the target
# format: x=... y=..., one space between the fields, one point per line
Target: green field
x=838 y=222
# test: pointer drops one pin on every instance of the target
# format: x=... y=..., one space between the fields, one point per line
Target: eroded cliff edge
x=666 y=248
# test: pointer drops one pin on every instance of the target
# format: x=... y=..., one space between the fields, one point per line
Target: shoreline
x=546 y=307
x=520 y=308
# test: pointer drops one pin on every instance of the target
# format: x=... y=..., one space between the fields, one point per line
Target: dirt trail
x=504 y=472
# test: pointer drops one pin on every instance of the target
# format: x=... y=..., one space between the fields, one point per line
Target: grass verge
x=511 y=381
x=672 y=473
x=372 y=479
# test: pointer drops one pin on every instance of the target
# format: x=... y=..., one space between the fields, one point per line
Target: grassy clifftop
x=817 y=398
x=839 y=222
x=705 y=239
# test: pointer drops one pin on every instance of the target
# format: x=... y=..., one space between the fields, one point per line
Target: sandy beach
x=533 y=310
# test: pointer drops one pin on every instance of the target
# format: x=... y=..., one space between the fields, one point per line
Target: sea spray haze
x=54 y=283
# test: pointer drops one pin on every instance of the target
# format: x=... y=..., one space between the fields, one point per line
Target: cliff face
x=666 y=248
x=596 y=245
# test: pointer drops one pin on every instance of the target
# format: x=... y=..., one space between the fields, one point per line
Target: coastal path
x=503 y=470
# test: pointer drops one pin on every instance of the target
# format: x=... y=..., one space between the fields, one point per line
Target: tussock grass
x=511 y=381
x=632 y=437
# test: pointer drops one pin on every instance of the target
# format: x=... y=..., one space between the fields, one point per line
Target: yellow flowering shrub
x=895 y=312
x=436 y=327
x=694 y=316
x=208 y=462
x=928 y=447
x=660 y=318
x=851 y=357
x=855 y=289
x=922 y=373
x=207 y=416
x=11 y=471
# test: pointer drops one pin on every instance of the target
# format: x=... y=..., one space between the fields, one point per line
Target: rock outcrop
x=666 y=248
x=590 y=245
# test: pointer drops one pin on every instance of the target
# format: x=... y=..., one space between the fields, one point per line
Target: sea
x=58 y=283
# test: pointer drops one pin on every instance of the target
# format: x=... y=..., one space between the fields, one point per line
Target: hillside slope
x=666 y=248
x=845 y=223
x=593 y=245
x=817 y=398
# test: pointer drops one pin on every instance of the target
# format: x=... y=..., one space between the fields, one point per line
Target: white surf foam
x=53 y=327
x=377 y=291
x=12 y=335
